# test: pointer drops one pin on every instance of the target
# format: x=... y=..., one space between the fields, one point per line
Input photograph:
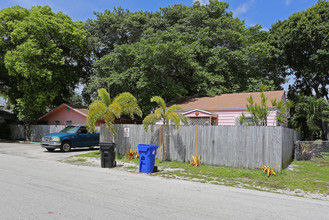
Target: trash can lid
x=147 y=146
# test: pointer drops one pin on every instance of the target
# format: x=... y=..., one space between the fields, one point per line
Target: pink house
x=226 y=109
x=65 y=115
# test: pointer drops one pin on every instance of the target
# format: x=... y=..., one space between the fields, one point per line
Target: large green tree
x=311 y=117
x=198 y=50
x=303 y=42
x=43 y=56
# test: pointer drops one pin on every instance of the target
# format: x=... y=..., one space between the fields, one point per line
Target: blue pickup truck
x=70 y=137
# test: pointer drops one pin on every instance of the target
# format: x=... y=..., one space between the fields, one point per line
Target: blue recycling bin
x=147 y=154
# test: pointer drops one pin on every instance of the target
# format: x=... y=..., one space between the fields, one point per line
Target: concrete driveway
x=33 y=185
x=37 y=152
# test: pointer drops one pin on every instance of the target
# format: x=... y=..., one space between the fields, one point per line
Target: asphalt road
x=34 y=185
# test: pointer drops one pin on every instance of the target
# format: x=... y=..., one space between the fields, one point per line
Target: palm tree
x=164 y=115
x=310 y=114
x=108 y=110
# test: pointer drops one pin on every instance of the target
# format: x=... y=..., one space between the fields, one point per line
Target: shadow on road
x=72 y=150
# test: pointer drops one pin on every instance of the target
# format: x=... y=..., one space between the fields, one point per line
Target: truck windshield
x=70 y=129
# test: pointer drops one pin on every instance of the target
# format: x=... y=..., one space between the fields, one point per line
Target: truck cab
x=72 y=136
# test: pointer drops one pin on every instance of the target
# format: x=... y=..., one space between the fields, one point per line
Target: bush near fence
x=306 y=150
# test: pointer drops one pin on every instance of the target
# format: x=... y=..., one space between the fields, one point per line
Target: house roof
x=226 y=101
x=80 y=110
x=198 y=110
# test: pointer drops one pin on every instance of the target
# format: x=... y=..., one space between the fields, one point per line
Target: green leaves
x=302 y=41
x=199 y=50
x=259 y=112
x=310 y=113
x=161 y=103
x=108 y=111
x=283 y=108
x=42 y=58
x=164 y=115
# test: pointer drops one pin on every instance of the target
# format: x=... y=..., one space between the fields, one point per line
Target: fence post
x=165 y=143
x=160 y=142
x=196 y=140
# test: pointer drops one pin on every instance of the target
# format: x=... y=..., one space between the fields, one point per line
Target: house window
x=68 y=109
x=68 y=122
x=57 y=122
x=247 y=120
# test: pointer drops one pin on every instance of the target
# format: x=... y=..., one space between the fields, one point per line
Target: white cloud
x=243 y=8
x=288 y=2
x=202 y=2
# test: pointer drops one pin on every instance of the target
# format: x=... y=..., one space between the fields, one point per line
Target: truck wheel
x=66 y=146
x=51 y=149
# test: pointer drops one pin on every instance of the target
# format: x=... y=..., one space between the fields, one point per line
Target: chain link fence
x=306 y=150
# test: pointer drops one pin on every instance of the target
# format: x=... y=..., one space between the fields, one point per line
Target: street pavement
x=34 y=185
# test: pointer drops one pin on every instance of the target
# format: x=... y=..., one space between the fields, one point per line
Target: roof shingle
x=226 y=101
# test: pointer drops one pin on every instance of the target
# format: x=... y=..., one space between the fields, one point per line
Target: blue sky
x=263 y=12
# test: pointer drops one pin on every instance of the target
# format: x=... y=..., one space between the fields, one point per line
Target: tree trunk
x=104 y=133
x=324 y=130
x=27 y=131
x=165 y=143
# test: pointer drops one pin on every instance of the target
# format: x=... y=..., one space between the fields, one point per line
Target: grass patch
x=131 y=167
x=95 y=154
x=309 y=176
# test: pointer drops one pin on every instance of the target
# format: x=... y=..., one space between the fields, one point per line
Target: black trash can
x=107 y=155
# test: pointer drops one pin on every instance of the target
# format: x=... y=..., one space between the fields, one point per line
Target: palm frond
x=151 y=119
x=175 y=108
x=95 y=113
x=116 y=109
x=183 y=119
x=105 y=96
x=175 y=118
x=104 y=109
x=128 y=104
x=159 y=114
x=161 y=103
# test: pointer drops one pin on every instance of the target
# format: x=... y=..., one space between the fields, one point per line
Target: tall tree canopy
x=198 y=50
x=43 y=55
x=303 y=41
x=311 y=117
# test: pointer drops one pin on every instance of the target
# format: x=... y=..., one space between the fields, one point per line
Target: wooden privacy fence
x=233 y=146
x=38 y=131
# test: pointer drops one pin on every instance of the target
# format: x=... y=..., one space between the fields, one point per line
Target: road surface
x=34 y=185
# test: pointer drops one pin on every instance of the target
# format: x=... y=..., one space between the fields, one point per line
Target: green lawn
x=308 y=176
